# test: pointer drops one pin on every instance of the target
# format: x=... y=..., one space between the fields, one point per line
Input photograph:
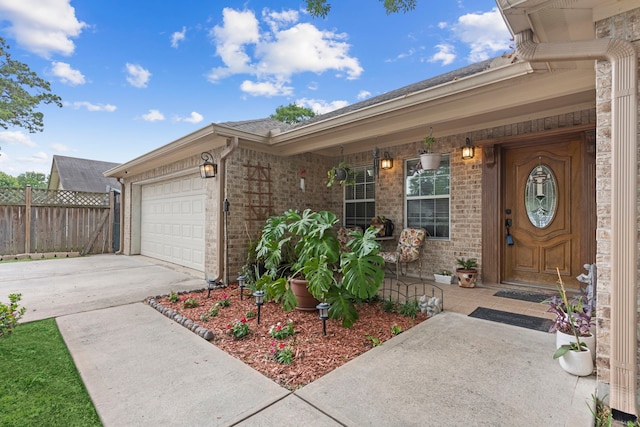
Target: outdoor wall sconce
x=323 y=308
x=241 y=284
x=467 y=150
x=208 y=169
x=387 y=161
x=259 y=301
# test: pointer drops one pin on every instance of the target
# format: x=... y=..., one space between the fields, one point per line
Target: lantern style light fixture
x=467 y=150
x=323 y=308
x=208 y=169
x=259 y=301
x=241 y=285
x=387 y=161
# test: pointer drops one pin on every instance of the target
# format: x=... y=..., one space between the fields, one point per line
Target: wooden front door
x=547 y=213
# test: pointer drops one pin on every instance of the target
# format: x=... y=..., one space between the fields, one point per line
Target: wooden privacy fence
x=42 y=221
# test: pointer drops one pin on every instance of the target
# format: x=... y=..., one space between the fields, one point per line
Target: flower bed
x=313 y=355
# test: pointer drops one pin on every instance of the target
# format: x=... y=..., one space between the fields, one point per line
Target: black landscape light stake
x=259 y=301
x=323 y=308
x=241 y=281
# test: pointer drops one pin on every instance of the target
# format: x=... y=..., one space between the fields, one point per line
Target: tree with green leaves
x=320 y=8
x=292 y=113
x=34 y=179
x=8 y=180
x=21 y=91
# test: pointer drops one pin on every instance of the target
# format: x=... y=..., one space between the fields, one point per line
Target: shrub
x=281 y=353
x=10 y=314
x=409 y=309
x=281 y=332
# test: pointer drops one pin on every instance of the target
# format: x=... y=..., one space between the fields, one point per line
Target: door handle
x=509 y=237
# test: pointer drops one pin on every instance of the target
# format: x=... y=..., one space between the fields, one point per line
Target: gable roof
x=71 y=173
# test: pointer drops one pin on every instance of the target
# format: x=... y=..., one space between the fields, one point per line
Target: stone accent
x=194 y=327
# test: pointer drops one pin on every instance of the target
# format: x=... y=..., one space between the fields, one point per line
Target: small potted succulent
x=467 y=272
x=428 y=159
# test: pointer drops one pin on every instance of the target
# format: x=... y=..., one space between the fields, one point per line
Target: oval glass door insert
x=541 y=196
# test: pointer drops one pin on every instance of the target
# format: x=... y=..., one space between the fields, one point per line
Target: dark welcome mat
x=522 y=320
x=522 y=295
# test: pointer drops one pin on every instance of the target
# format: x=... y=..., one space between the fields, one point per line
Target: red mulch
x=314 y=354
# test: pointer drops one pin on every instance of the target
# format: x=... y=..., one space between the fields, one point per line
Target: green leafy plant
x=388 y=306
x=409 y=308
x=250 y=314
x=305 y=245
x=173 y=296
x=223 y=301
x=343 y=174
x=213 y=311
x=467 y=264
x=239 y=328
x=445 y=273
x=281 y=353
x=280 y=331
x=189 y=302
x=374 y=340
x=396 y=329
x=572 y=346
x=427 y=143
x=10 y=314
x=204 y=316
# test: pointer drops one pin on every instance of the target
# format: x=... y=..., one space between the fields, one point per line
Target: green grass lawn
x=39 y=383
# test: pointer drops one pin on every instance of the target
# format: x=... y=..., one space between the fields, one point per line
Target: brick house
x=557 y=122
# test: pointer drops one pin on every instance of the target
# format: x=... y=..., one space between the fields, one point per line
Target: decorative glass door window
x=541 y=196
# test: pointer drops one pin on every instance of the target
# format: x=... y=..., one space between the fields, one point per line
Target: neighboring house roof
x=259 y=126
x=71 y=173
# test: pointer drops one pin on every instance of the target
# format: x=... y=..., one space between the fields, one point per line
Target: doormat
x=522 y=295
x=522 y=320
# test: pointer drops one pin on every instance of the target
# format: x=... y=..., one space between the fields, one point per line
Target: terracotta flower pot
x=306 y=301
x=467 y=278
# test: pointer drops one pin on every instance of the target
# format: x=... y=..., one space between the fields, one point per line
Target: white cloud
x=272 y=56
x=137 y=75
x=93 y=107
x=16 y=138
x=266 y=88
x=485 y=33
x=60 y=148
x=363 y=94
x=42 y=26
x=66 y=74
x=193 y=118
x=320 y=106
x=153 y=116
x=446 y=54
x=177 y=37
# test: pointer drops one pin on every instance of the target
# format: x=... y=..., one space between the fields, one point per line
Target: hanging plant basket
x=430 y=161
x=341 y=174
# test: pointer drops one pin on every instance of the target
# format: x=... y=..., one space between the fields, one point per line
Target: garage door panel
x=173 y=221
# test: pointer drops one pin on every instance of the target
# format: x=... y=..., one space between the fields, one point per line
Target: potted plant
x=429 y=160
x=304 y=245
x=443 y=276
x=574 y=357
x=380 y=223
x=572 y=315
x=342 y=174
x=467 y=272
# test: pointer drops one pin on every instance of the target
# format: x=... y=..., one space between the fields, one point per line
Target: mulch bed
x=314 y=355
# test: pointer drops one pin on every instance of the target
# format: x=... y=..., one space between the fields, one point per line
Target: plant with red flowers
x=239 y=328
x=223 y=301
x=280 y=332
x=281 y=353
x=189 y=302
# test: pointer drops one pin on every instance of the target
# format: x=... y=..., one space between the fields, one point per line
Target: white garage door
x=172 y=221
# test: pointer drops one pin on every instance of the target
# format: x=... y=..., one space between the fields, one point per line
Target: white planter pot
x=578 y=363
x=590 y=341
x=441 y=278
x=430 y=161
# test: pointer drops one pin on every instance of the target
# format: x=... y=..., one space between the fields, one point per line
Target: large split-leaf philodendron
x=305 y=245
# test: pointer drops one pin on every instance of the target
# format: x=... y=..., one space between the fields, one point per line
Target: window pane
x=360 y=199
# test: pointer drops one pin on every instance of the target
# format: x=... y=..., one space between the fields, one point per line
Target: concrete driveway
x=62 y=286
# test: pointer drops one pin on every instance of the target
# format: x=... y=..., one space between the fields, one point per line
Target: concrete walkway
x=141 y=368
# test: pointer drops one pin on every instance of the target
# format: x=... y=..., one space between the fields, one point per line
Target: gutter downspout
x=222 y=185
x=624 y=89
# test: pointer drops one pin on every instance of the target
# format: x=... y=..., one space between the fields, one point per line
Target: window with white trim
x=427 y=197
x=360 y=198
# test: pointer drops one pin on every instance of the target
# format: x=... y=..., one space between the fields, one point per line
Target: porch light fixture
x=467 y=150
x=259 y=301
x=323 y=308
x=208 y=169
x=387 y=161
x=241 y=284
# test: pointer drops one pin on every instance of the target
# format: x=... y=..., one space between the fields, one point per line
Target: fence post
x=27 y=219
x=112 y=204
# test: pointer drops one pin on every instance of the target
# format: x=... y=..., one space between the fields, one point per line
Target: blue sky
x=134 y=75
